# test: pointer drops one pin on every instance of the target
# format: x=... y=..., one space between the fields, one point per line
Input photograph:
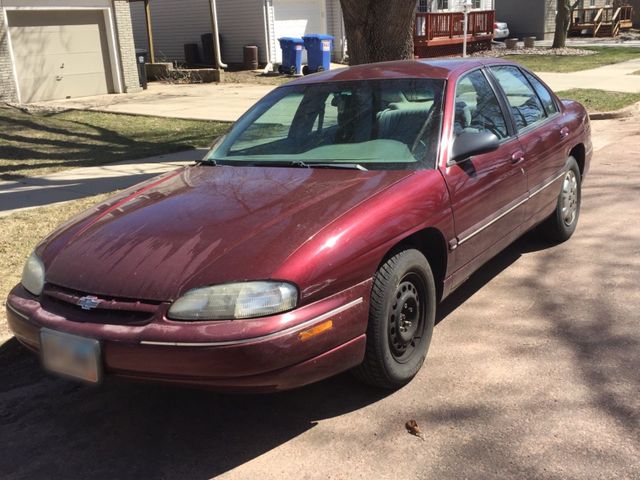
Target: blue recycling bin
x=291 y=55
x=318 y=52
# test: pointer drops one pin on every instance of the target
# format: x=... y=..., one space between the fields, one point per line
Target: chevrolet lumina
x=317 y=236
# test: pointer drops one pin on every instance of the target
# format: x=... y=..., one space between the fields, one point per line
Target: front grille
x=107 y=310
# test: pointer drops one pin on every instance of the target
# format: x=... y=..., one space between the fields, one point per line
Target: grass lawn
x=39 y=143
x=600 y=100
x=19 y=234
x=556 y=63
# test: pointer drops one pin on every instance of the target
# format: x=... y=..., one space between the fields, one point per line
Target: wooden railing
x=430 y=26
x=608 y=20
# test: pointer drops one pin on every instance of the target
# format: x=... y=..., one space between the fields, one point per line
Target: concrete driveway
x=204 y=101
x=534 y=372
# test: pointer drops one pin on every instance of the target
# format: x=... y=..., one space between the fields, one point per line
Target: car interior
x=402 y=120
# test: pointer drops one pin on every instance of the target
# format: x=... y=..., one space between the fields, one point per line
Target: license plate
x=70 y=355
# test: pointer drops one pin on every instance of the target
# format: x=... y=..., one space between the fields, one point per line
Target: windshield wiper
x=291 y=164
x=350 y=166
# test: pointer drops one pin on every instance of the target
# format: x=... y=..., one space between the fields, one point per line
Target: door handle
x=517 y=156
x=564 y=133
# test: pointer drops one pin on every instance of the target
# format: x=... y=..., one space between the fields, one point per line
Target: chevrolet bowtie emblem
x=89 y=302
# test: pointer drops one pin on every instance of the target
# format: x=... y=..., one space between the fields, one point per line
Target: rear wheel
x=563 y=221
x=401 y=320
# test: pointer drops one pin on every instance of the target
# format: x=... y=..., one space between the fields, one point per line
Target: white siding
x=335 y=27
x=241 y=23
x=173 y=24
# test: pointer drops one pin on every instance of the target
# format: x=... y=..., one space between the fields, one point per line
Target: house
x=53 y=49
x=527 y=18
x=240 y=23
x=425 y=6
x=439 y=27
x=254 y=22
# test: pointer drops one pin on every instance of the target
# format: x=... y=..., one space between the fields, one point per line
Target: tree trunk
x=563 y=21
x=379 y=30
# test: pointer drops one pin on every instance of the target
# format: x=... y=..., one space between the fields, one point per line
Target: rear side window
x=477 y=108
x=525 y=105
x=543 y=93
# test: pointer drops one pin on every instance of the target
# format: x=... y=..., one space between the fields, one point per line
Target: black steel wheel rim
x=407 y=317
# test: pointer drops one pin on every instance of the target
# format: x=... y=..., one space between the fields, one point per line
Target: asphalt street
x=533 y=372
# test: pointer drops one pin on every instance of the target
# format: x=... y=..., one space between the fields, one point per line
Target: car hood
x=202 y=225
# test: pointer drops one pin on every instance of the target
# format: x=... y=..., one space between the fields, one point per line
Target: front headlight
x=33 y=275
x=235 y=300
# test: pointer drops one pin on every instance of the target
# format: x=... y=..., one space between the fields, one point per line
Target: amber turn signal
x=318 y=329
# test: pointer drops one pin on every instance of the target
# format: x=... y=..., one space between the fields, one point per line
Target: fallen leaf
x=413 y=428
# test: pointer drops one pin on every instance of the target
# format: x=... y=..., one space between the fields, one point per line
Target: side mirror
x=469 y=144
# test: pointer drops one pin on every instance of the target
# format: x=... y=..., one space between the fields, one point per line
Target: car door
x=487 y=191
x=540 y=131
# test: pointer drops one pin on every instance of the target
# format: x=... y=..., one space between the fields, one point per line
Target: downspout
x=216 y=36
x=267 y=37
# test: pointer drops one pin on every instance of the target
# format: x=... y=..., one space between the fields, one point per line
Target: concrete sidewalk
x=84 y=182
x=206 y=101
x=617 y=77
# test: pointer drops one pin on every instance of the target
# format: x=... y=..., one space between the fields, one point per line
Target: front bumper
x=276 y=353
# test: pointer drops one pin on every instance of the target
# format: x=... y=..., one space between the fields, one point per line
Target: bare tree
x=379 y=30
x=563 y=22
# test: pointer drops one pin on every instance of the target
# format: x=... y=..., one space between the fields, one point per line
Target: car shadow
x=52 y=427
x=529 y=242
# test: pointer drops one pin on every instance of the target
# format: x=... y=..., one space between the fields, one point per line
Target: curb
x=616 y=114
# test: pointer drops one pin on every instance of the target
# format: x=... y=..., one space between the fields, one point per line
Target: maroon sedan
x=317 y=236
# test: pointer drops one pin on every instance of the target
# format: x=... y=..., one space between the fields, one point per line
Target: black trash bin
x=142 y=57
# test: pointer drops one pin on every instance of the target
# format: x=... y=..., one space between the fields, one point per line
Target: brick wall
x=124 y=34
x=8 y=91
x=550 y=18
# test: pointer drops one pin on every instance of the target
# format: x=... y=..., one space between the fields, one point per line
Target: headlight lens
x=33 y=275
x=235 y=301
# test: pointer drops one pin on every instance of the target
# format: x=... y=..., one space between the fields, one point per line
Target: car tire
x=562 y=222
x=401 y=319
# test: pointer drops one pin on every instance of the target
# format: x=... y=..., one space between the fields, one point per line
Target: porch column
x=147 y=19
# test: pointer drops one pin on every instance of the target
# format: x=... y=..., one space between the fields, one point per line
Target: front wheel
x=563 y=221
x=401 y=320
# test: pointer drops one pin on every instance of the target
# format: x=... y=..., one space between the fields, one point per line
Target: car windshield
x=374 y=124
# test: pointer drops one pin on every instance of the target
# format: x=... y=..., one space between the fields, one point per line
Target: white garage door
x=295 y=18
x=60 y=54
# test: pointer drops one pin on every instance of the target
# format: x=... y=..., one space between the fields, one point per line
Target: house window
x=477 y=4
x=423 y=6
x=443 y=4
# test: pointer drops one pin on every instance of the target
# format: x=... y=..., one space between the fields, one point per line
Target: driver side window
x=477 y=108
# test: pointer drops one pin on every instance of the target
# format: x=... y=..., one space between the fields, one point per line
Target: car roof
x=424 y=68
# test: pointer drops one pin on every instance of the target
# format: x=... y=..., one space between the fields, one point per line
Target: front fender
x=349 y=250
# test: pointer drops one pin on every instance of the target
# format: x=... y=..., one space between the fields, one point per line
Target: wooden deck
x=439 y=34
x=601 y=21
